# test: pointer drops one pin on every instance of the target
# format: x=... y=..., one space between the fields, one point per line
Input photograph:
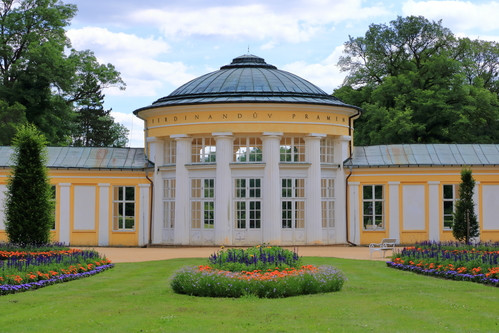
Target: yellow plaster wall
x=247 y=118
x=92 y=178
x=421 y=176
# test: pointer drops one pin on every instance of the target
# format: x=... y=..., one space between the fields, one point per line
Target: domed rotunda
x=248 y=154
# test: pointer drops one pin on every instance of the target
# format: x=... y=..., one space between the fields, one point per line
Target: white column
x=393 y=210
x=144 y=194
x=182 y=198
x=341 y=153
x=157 y=149
x=354 y=212
x=313 y=221
x=64 y=213
x=434 y=202
x=104 y=214
x=271 y=226
x=223 y=185
x=476 y=206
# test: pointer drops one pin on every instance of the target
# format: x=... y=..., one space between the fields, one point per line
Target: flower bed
x=22 y=270
x=477 y=263
x=268 y=272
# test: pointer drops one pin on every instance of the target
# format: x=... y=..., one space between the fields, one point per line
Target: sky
x=158 y=45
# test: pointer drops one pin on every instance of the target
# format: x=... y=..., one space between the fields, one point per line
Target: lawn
x=136 y=297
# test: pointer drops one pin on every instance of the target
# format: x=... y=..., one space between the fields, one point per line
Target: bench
x=385 y=245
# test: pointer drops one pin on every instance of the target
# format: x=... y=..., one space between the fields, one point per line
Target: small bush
x=204 y=281
x=259 y=257
x=261 y=271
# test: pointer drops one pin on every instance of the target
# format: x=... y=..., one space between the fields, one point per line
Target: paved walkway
x=130 y=254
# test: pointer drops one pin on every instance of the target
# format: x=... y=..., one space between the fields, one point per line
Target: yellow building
x=251 y=154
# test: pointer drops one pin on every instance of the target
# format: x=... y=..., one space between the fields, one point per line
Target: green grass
x=136 y=297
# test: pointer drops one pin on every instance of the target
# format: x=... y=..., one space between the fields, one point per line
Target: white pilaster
x=271 y=226
x=157 y=151
x=64 y=213
x=341 y=153
x=144 y=194
x=313 y=221
x=393 y=210
x=354 y=211
x=223 y=184
x=182 y=203
x=476 y=206
x=434 y=202
x=104 y=214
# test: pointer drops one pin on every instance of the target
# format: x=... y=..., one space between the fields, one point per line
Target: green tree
x=10 y=117
x=465 y=223
x=418 y=83
x=28 y=206
x=94 y=126
x=37 y=72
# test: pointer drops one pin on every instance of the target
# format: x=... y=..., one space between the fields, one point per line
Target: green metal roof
x=88 y=158
x=425 y=155
x=248 y=79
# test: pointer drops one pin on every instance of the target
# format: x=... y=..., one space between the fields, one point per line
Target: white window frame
x=452 y=201
x=248 y=150
x=292 y=203
x=204 y=150
x=170 y=154
x=119 y=214
x=327 y=150
x=202 y=203
x=292 y=149
x=169 y=203
x=327 y=202
x=247 y=203
x=370 y=205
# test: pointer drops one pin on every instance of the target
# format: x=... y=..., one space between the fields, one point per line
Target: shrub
x=34 y=267
x=478 y=263
x=205 y=281
x=261 y=271
x=29 y=212
x=259 y=257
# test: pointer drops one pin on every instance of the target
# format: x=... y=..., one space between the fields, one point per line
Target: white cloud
x=136 y=58
x=101 y=39
x=134 y=125
x=292 y=21
x=325 y=74
x=459 y=16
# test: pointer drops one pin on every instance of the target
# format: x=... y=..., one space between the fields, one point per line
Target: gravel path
x=133 y=254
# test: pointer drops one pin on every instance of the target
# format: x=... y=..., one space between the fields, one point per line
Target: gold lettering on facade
x=210 y=117
x=293 y=116
x=328 y=117
x=175 y=118
x=269 y=115
x=318 y=117
x=239 y=115
x=255 y=115
x=306 y=116
x=224 y=116
x=196 y=116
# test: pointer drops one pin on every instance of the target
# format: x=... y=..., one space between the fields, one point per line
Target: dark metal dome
x=247 y=79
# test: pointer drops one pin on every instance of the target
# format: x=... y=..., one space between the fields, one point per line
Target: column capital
x=346 y=138
x=393 y=183
x=154 y=139
x=104 y=185
x=222 y=134
x=270 y=134
x=316 y=135
x=64 y=184
x=181 y=137
x=433 y=182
